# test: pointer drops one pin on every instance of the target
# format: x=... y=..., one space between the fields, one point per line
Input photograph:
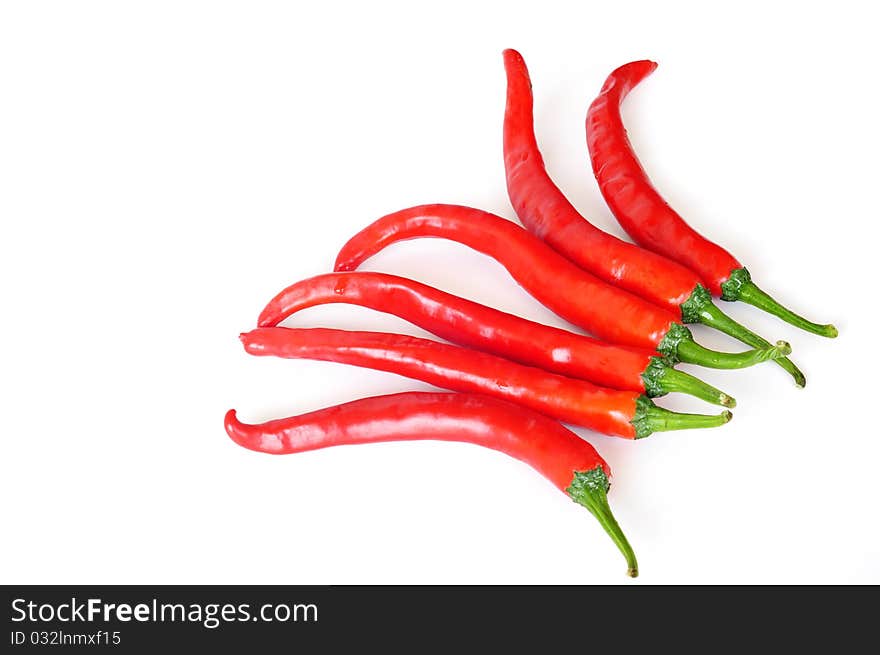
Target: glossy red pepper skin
x=548 y=214
x=470 y=324
x=608 y=411
x=613 y=412
x=539 y=441
x=607 y=312
x=610 y=313
x=628 y=191
x=651 y=222
x=567 y=461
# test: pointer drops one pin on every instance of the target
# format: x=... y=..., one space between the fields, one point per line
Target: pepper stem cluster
x=699 y=308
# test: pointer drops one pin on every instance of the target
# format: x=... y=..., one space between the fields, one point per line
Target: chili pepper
x=609 y=313
x=548 y=214
x=555 y=452
x=649 y=220
x=477 y=326
x=609 y=411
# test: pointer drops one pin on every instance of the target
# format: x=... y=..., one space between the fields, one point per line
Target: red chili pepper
x=608 y=312
x=477 y=326
x=548 y=214
x=609 y=411
x=555 y=452
x=649 y=220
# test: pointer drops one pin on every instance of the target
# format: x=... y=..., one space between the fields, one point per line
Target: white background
x=167 y=167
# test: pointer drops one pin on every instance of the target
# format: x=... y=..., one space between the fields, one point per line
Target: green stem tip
x=649 y=418
x=739 y=286
x=590 y=489
x=679 y=343
x=660 y=378
x=710 y=315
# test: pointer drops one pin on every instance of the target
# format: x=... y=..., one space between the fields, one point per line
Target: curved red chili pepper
x=548 y=214
x=477 y=326
x=609 y=411
x=585 y=300
x=555 y=452
x=648 y=219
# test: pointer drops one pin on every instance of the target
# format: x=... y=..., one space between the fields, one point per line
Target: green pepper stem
x=739 y=286
x=649 y=418
x=753 y=295
x=663 y=420
x=590 y=489
x=674 y=380
x=691 y=352
x=712 y=316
